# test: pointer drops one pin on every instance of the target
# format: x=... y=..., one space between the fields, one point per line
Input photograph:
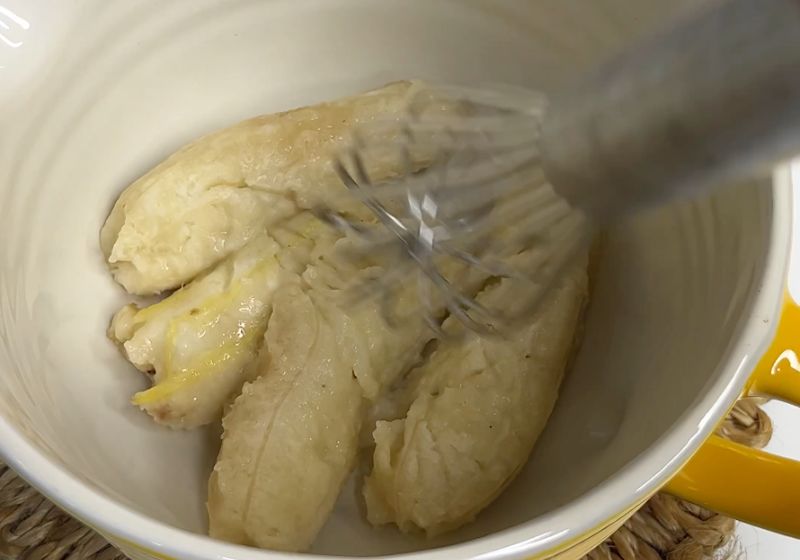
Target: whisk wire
x=469 y=203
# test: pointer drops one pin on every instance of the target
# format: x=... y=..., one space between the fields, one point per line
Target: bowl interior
x=113 y=88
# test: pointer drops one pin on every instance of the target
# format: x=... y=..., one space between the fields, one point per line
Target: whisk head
x=468 y=204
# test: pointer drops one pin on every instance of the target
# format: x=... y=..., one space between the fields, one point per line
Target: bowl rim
x=633 y=484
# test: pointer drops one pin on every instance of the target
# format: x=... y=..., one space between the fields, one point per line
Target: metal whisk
x=714 y=98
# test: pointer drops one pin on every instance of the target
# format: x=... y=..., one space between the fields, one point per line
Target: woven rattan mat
x=31 y=528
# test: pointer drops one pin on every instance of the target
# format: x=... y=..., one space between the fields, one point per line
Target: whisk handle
x=714 y=98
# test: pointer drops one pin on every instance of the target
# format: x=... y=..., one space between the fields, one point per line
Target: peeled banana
x=475 y=413
x=210 y=198
x=197 y=343
x=258 y=322
x=291 y=438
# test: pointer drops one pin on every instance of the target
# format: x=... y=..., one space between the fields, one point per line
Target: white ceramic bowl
x=95 y=92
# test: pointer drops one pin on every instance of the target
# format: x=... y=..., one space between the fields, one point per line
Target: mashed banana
x=258 y=322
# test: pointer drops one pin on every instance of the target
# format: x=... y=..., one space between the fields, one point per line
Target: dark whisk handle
x=715 y=98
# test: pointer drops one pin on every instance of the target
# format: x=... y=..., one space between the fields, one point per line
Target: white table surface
x=758 y=544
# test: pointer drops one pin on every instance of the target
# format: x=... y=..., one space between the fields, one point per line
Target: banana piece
x=196 y=343
x=476 y=412
x=291 y=438
x=211 y=197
